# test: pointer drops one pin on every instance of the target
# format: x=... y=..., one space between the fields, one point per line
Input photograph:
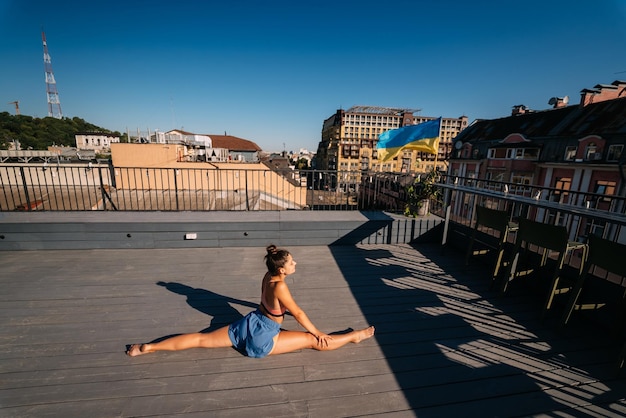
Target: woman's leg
x=217 y=338
x=287 y=341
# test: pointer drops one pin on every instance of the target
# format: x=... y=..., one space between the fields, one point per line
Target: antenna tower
x=54 y=104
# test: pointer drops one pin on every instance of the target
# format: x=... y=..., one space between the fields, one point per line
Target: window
x=562 y=186
x=521 y=179
x=615 y=152
x=531 y=154
x=570 y=153
x=497 y=153
x=493 y=180
x=591 y=152
x=520 y=183
x=605 y=187
x=521 y=153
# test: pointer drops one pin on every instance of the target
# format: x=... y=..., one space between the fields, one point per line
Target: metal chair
x=549 y=238
x=605 y=254
x=608 y=256
x=499 y=221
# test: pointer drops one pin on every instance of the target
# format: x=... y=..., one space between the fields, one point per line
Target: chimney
x=603 y=92
x=519 y=110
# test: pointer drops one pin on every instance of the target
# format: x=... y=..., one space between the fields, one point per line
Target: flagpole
x=438 y=142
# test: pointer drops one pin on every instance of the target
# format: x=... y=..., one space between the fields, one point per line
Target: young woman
x=258 y=334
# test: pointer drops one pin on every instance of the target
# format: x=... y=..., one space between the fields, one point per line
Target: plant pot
x=419 y=209
x=422 y=208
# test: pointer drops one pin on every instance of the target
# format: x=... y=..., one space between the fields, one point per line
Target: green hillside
x=39 y=133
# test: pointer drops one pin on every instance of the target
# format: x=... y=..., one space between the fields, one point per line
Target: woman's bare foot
x=364 y=334
x=136 y=350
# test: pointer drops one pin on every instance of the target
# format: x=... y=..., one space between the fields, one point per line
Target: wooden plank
x=446 y=345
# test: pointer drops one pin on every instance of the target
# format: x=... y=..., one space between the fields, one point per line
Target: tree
x=40 y=133
x=302 y=164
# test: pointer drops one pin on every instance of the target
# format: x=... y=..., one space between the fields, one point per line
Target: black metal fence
x=82 y=187
x=581 y=212
x=92 y=186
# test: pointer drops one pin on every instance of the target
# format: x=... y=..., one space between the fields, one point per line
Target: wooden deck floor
x=446 y=346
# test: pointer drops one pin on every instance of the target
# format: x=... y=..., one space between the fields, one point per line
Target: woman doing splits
x=258 y=334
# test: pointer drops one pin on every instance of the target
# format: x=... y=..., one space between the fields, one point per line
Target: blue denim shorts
x=253 y=334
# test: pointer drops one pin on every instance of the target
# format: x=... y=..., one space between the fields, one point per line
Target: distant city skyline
x=272 y=72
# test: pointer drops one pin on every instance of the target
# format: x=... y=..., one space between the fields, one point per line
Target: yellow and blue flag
x=422 y=137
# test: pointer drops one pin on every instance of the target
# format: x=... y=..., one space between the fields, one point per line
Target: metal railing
x=82 y=187
x=93 y=186
x=581 y=213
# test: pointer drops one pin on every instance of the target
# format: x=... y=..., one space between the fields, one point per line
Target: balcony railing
x=82 y=187
x=580 y=212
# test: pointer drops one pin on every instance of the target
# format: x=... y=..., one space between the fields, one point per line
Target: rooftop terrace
x=446 y=345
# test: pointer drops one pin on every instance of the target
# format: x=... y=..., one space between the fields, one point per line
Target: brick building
x=568 y=147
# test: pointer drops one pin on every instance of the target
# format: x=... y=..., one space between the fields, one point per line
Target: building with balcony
x=349 y=139
x=572 y=148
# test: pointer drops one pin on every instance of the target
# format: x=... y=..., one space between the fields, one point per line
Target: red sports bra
x=272 y=312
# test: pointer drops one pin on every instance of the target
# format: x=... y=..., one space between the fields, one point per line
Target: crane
x=17 y=106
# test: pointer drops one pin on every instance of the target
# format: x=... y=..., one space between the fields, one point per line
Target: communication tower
x=54 y=104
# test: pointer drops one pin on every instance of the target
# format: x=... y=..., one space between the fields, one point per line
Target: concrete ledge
x=91 y=230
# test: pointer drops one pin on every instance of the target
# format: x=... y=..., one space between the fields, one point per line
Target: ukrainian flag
x=422 y=137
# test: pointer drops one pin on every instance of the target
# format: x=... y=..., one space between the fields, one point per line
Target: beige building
x=349 y=139
x=95 y=141
x=232 y=185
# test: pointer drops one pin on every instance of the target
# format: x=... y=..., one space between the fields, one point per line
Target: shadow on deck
x=445 y=345
x=457 y=348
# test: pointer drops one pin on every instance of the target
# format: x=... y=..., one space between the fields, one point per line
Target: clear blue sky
x=272 y=71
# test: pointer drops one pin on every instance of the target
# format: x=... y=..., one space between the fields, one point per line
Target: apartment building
x=349 y=139
x=569 y=148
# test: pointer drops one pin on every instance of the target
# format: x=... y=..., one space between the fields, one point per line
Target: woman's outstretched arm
x=281 y=291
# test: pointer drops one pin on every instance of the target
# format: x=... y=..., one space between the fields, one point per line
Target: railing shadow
x=457 y=348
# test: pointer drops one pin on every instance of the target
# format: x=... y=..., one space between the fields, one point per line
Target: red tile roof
x=233 y=143
x=229 y=142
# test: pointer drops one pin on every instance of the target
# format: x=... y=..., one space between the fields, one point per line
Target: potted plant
x=420 y=192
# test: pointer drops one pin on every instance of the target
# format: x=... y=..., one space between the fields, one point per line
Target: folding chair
x=608 y=256
x=549 y=238
x=497 y=220
x=605 y=254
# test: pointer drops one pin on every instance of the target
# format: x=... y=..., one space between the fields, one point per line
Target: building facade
x=95 y=141
x=349 y=139
x=578 y=148
x=212 y=148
